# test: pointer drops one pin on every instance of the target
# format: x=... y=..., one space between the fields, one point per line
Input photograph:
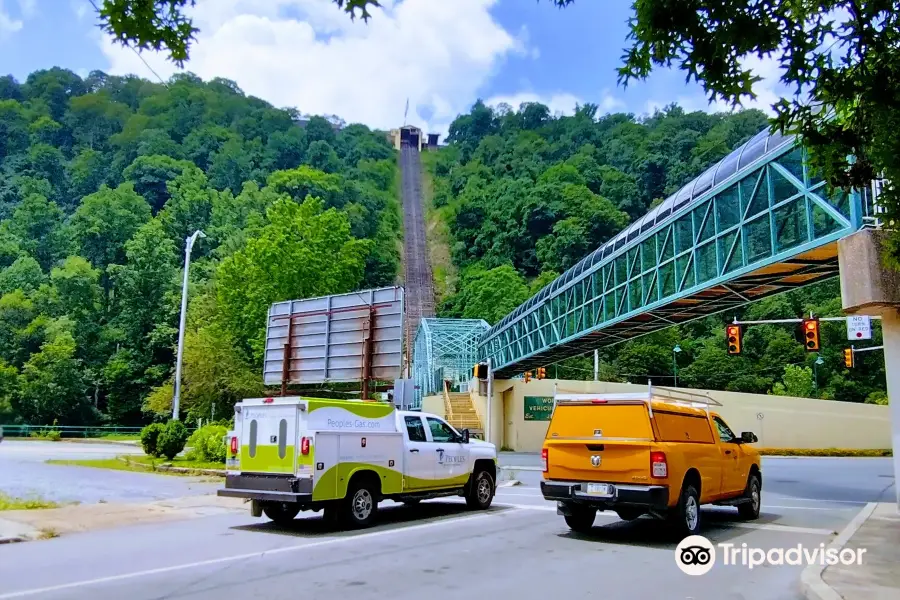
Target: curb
x=509 y=483
x=165 y=467
x=811 y=582
x=513 y=468
x=12 y=540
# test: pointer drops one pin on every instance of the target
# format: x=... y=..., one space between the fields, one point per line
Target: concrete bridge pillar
x=869 y=287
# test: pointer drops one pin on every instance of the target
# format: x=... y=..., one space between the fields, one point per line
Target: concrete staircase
x=461 y=413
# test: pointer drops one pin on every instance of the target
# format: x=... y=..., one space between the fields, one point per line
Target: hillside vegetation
x=525 y=195
x=101 y=181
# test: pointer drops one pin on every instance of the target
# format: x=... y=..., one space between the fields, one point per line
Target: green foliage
x=150 y=438
x=171 y=439
x=797 y=381
x=525 y=196
x=840 y=58
x=101 y=180
x=207 y=444
x=304 y=251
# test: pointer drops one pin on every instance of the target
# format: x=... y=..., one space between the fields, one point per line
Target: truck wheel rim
x=362 y=504
x=690 y=512
x=484 y=489
x=754 y=495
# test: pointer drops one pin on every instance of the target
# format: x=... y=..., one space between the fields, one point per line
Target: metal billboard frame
x=341 y=338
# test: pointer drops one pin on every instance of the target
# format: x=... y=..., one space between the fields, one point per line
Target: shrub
x=172 y=439
x=208 y=444
x=54 y=435
x=150 y=438
x=850 y=452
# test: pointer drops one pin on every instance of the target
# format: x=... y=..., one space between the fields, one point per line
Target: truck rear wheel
x=582 y=519
x=360 y=505
x=481 y=490
x=281 y=513
x=685 y=518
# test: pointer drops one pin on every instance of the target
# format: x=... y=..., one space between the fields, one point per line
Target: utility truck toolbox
x=289 y=454
x=661 y=453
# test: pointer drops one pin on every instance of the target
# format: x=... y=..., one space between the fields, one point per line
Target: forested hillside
x=101 y=180
x=524 y=195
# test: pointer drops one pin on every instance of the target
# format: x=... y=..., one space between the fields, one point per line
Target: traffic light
x=541 y=372
x=733 y=334
x=810 y=331
x=480 y=371
x=848 y=358
x=527 y=376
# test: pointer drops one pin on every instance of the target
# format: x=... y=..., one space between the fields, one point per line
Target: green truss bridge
x=756 y=223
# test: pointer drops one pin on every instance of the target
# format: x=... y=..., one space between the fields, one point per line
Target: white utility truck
x=288 y=454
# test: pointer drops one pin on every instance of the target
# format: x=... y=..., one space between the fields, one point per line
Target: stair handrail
x=448 y=406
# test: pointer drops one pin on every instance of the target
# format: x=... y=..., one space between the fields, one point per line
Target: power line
x=136 y=52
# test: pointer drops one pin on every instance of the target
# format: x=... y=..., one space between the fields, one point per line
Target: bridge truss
x=757 y=223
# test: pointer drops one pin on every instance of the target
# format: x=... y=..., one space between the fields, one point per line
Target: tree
x=304 y=251
x=488 y=294
x=52 y=384
x=151 y=176
x=39 y=224
x=105 y=221
x=838 y=57
x=797 y=381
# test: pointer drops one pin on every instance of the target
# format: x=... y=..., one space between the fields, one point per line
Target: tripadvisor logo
x=696 y=555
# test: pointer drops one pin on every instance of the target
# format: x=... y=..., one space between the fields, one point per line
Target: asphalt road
x=25 y=473
x=520 y=548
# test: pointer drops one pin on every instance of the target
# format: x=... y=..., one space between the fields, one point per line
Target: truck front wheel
x=481 y=490
x=281 y=513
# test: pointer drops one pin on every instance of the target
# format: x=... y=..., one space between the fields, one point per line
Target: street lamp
x=819 y=361
x=189 y=244
x=675 y=352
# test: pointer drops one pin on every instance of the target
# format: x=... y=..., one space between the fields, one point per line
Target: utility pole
x=189 y=244
x=675 y=352
x=596 y=364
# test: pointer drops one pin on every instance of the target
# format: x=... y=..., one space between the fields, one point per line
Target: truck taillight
x=234 y=445
x=545 y=452
x=658 y=466
x=304 y=446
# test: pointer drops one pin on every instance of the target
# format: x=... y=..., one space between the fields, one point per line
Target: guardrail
x=71 y=431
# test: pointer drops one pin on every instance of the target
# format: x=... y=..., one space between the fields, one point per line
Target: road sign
x=859 y=328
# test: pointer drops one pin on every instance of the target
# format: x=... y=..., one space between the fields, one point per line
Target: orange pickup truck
x=661 y=453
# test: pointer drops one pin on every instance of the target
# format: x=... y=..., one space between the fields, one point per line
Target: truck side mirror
x=748 y=437
x=465 y=436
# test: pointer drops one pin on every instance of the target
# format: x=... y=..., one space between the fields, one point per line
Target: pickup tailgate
x=599 y=442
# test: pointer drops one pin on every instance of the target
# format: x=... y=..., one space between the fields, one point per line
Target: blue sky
x=305 y=53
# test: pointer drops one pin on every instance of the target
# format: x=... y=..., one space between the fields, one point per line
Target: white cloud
x=80 y=8
x=559 y=104
x=768 y=91
x=8 y=25
x=308 y=54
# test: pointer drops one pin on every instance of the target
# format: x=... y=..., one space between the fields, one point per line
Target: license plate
x=604 y=490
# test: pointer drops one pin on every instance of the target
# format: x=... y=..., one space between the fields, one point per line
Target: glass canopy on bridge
x=756 y=223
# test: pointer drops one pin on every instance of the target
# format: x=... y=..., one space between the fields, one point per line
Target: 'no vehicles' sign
x=859 y=328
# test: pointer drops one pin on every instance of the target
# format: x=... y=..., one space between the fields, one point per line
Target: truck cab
x=662 y=453
x=343 y=457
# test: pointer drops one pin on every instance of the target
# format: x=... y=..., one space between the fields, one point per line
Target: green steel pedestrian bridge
x=756 y=223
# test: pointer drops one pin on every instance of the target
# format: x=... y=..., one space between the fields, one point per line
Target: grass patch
x=141 y=464
x=119 y=437
x=437 y=236
x=836 y=452
x=11 y=503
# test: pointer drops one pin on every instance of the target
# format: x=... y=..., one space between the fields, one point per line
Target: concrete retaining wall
x=778 y=421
